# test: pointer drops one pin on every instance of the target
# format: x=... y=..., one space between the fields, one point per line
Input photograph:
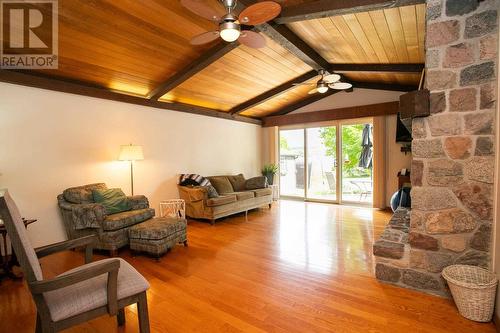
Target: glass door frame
x=338 y=170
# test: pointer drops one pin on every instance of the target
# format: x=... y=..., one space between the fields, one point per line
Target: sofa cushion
x=113 y=200
x=82 y=194
x=255 y=183
x=262 y=192
x=126 y=219
x=221 y=200
x=221 y=184
x=238 y=182
x=242 y=195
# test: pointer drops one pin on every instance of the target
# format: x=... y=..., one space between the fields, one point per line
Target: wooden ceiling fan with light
x=232 y=26
x=327 y=81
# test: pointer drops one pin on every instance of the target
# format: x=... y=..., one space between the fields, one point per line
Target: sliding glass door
x=357 y=179
x=292 y=156
x=327 y=163
x=321 y=143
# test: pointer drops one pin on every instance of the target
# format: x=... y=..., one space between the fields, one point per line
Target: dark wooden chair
x=80 y=294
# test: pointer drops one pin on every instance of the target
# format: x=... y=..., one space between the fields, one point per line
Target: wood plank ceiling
x=133 y=47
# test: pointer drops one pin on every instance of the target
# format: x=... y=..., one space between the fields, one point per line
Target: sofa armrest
x=138 y=202
x=193 y=193
x=88 y=215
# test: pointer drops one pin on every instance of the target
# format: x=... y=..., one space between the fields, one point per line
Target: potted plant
x=269 y=170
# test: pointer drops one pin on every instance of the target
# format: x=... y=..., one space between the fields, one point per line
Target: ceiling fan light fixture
x=341 y=85
x=323 y=89
x=229 y=31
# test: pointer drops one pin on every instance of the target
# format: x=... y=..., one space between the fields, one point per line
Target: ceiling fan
x=327 y=81
x=230 y=25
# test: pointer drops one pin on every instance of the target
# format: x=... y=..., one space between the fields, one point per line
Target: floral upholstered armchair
x=82 y=216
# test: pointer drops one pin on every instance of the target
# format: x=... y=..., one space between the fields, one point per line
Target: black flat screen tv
x=402 y=133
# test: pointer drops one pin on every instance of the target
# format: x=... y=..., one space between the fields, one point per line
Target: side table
x=173 y=208
x=10 y=261
x=276 y=191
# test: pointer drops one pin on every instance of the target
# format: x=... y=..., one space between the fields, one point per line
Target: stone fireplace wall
x=453 y=149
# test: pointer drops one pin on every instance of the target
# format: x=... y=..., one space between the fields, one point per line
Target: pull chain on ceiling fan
x=230 y=28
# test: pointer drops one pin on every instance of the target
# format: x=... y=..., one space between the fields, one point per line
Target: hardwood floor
x=299 y=267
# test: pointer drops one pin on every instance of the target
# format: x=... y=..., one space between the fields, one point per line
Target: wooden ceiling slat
x=409 y=20
x=372 y=37
x=396 y=28
x=310 y=10
x=206 y=59
x=421 y=30
x=393 y=35
x=352 y=22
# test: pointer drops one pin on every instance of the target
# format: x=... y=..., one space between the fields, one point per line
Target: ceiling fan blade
x=260 y=12
x=313 y=91
x=340 y=85
x=304 y=84
x=331 y=78
x=252 y=39
x=200 y=8
x=204 y=38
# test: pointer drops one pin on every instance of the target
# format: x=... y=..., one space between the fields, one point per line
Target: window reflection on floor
x=326 y=238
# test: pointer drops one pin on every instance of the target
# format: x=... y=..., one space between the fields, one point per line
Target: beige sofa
x=233 y=198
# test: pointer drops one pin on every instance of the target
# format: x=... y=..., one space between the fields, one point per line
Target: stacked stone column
x=453 y=149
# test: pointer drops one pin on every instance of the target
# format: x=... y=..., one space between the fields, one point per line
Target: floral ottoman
x=157 y=235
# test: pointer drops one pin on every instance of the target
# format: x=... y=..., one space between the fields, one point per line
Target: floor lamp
x=131 y=153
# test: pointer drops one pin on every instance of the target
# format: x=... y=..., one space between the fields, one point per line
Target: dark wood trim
x=303 y=102
x=288 y=40
x=328 y=8
x=372 y=110
x=79 y=88
x=382 y=86
x=388 y=68
x=272 y=93
x=282 y=35
x=209 y=57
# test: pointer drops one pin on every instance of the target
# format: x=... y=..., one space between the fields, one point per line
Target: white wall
x=51 y=141
x=356 y=98
x=396 y=160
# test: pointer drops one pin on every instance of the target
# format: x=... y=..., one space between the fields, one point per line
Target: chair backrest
x=16 y=230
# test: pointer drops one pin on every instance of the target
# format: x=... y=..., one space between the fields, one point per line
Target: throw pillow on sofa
x=212 y=192
x=256 y=183
x=238 y=182
x=113 y=200
x=221 y=184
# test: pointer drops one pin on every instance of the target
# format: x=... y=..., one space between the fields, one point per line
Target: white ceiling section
x=356 y=98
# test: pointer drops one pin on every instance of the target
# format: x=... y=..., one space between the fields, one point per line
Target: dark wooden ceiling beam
x=382 y=86
x=74 y=87
x=363 y=111
x=288 y=40
x=294 y=44
x=272 y=93
x=387 y=68
x=327 y=8
x=209 y=57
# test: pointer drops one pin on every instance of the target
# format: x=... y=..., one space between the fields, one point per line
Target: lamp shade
x=131 y=153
